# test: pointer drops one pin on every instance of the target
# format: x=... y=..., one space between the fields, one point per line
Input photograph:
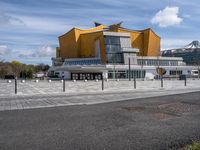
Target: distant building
x=111 y=51
x=189 y=53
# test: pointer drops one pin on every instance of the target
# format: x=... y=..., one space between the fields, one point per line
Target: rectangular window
x=113 y=49
x=175 y=72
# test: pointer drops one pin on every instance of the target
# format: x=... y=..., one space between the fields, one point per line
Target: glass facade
x=190 y=55
x=83 y=62
x=113 y=49
x=123 y=74
x=175 y=72
x=86 y=76
x=155 y=62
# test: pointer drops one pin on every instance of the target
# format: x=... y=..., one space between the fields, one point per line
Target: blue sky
x=29 y=28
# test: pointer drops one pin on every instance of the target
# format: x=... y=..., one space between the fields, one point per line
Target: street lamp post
x=176 y=73
x=129 y=68
x=161 y=81
x=113 y=63
x=63 y=84
x=102 y=85
x=15 y=84
x=134 y=81
x=142 y=74
x=198 y=71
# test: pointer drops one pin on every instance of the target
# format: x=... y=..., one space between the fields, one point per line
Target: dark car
x=9 y=77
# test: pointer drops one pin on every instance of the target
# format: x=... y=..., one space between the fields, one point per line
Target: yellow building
x=108 y=51
x=107 y=43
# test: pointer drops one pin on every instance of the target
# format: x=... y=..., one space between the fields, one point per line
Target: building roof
x=100 y=27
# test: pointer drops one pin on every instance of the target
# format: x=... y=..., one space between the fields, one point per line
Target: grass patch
x=193 y=146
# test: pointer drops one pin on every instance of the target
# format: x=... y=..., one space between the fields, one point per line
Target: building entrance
x=86 y=76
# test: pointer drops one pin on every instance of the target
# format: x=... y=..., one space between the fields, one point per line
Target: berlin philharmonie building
x=112 y=52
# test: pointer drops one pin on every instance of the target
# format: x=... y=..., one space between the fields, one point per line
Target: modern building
x=105 y=42
x=190 y=53
x=111 y=51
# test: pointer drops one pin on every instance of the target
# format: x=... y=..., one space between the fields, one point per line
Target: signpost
x=161 y=72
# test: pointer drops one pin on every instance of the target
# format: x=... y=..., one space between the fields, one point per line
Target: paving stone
x=44 y=94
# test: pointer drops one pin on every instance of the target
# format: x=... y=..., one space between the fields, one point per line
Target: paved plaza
x=155 y=123
x=30 y=87
x=85 y=117
x=44 y=94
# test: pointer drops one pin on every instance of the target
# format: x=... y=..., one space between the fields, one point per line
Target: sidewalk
x=15 y=102
x=30 y=88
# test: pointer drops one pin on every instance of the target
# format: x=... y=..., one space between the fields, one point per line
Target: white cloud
x=4 y=50
x=39 y=24
x=6 y=19
x=167 y=17
x=44 y=51
x=170 y=43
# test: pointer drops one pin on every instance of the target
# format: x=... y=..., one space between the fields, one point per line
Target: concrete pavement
x=66 y=99
x=56 y=87
x=155 y=123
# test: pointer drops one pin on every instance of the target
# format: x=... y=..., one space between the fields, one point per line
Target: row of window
x=152 y=62
x=191 y=56
x=86 y=76
x=175 y=72
x=83 y=62
x=136 y=73
x=125 y=74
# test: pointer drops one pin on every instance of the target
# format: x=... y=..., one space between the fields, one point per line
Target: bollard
x=129 y=69
x=161 y=81
x=15 y=85
x=185 y=81
x=63 y=85
x=102 y=84
x=134 y=82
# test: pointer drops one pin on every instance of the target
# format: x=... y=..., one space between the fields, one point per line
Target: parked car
x=9 y=77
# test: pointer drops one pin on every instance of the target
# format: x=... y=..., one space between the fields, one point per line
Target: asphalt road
x=139 y=124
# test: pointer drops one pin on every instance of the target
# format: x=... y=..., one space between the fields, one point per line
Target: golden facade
x=79 y=43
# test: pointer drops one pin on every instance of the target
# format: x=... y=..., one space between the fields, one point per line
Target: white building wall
x=125 y=42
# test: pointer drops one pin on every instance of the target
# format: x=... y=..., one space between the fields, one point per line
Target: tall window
x=113 y=49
